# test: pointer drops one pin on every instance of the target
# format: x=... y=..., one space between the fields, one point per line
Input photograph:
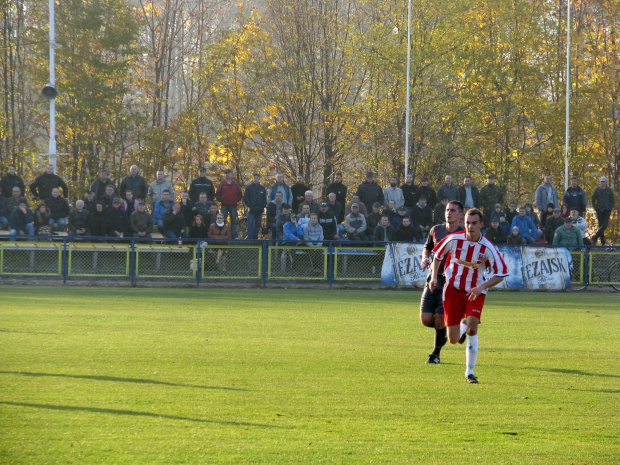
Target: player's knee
x=472 y=331
x=427 y=319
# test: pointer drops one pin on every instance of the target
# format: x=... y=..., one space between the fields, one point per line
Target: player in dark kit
x=431 y=302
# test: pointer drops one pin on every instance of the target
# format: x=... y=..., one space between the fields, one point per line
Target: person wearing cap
x=546 y=193
x=494 y=234
x=11 y=180
x=98 y=221
x=397 y=220
x=298 y=191
x=568 y=235
x=21 y=221
x=255 y=199
x=551 y=224
x=140 y=221
x=280 y=186
x=161 y=206
x=90 y=200
x=158 y=186
x=328 y=222
x=59 y=209
x=515 y=238
x=448 y=190
x=119 y=222
x=497 y=211
x=425 y=190
x=42 y=186
x=355 y=224
x=469 y=194
x=373 y=219
x=229 y=194
x=339 y=189
x=274 y=208
x=98 y=187
x=370 y=192
x=603 y=201
x=504 y=225
x=395 y=193
x=201 y=184
x=135 y=183
x=78 y=220
x=292 y=233
x=490 y=195
x=575 y=196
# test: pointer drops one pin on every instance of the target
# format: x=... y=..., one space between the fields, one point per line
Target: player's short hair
x=474 y=212
x=458 y=204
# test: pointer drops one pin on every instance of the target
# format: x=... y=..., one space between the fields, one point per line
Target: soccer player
x=468 y=254
x=431 y=302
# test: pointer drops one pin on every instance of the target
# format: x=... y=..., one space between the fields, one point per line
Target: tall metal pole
x=566 y=153
x=408 y=111
x=52 y=143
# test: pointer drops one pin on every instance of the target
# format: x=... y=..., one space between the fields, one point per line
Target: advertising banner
x=536 y=268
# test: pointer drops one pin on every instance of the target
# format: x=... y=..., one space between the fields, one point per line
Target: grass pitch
x=100 y=375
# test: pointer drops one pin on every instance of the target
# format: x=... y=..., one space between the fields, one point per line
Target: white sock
x=463 y=328
x=471 y=354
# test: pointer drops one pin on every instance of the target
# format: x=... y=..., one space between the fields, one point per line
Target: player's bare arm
x=476 y=291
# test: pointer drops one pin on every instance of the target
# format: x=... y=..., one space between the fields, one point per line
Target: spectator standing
x=201 y=184
x=229 y=194
x=11 y=180
x=158 y=186
x=21 y=222
x=59 y=209
x=448 y=190
x=338 y=188
x=255 y=198
x=140 y=221
x=135 y=183
x=603 y=201
x=78 y=220
x=490 y=195
x=425 y=190
x=99 y=186
x=280 y=186
x=575 y=196
x=43 y=185
x=546 y=193
x=298 y=191
x=469 y=194
x=395 y=193
x=568 y=235
x=370 y=192
x=410 y=191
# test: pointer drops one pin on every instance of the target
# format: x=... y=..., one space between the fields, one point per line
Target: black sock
x=440 y=339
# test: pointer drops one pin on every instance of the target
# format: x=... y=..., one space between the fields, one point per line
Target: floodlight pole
x=52 y=142
x=408 y=110
x=566 y=152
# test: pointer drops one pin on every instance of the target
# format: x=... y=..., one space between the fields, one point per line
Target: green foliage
x=103 y=375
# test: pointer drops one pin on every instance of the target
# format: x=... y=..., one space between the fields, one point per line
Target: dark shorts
x=432 y=301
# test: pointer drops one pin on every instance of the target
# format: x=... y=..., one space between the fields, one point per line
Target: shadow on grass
x=67 y=408
x=119 y=380
x=573 y=372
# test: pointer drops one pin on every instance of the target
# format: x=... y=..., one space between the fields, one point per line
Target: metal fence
x=260 y=262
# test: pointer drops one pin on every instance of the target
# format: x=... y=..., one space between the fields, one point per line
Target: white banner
x=536 y=268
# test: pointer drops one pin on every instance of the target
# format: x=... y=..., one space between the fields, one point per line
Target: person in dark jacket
x=384 y=231
x=274 y=208
x=603 y=201
x=90 y=201
x=298 y=191
x=469 y=194
x=201 y=184
x=99 y=186
x=327 y=220
x=425 y=190
x=339 y=189
x=78 y=220
x=370 y=192
x=11 y=180
x=229 y=195
x=255 y=198
x=59 y=209
x=98 y=221
x=198 y=229
x=43 y=185
x=135 y=183
x=448 y=190
x=552 y=223
x=187 y=208
x=494 y=234
x=406 y=232
x=5 y=212
x=21 y=222
x=422 y=216
x=42 y=217
x=174 y=223
x=119 y=223
x=575 y=197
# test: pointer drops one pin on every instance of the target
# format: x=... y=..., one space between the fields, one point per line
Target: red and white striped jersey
x=466 y=261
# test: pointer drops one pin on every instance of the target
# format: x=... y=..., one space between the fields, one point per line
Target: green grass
x=101 y=375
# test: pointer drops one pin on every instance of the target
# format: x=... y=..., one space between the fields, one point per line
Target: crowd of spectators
x=369 y=214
